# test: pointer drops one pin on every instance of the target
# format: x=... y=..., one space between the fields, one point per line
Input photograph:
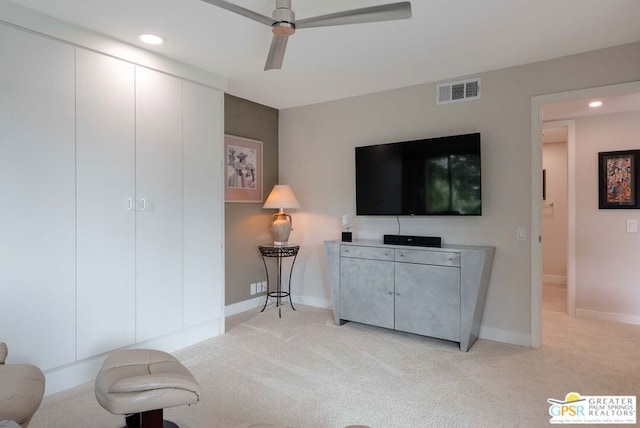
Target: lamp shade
x=281 y=197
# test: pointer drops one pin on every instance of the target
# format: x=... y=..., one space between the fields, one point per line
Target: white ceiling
x=444 y=39
x=580 y=108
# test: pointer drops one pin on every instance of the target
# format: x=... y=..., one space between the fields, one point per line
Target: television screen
x=435 y=176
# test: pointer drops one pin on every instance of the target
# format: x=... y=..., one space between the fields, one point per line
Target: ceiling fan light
x=283 y=29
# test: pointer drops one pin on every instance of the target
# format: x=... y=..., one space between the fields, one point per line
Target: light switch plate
x=632 y=226
x=521 y=233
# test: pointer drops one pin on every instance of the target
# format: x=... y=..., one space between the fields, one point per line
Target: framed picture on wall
x=618 y=180
x=243 y=169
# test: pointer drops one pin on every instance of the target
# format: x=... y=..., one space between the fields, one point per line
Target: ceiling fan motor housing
x=285 y=18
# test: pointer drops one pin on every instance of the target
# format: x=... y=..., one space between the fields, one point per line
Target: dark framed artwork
x=243 y=172
x=618 y=179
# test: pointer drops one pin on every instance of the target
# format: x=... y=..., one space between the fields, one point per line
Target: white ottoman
x=140 y=383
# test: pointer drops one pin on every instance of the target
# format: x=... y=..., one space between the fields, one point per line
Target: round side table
x=278 y=252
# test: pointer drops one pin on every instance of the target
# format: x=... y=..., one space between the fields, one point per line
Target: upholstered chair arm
x=21 y=390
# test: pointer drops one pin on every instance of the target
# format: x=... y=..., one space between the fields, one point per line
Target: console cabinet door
x=37 y=199
x=428 y=300
x=366 y=291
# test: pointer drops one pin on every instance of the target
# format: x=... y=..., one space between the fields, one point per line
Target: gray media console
x=437 y=292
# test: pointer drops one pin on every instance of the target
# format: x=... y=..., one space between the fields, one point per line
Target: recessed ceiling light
x=151 y=39
x=594 y=104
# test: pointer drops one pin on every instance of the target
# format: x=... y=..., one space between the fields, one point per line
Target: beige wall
x=247 y=224
x=554 y=217
x=317 y=158
x=607 y=268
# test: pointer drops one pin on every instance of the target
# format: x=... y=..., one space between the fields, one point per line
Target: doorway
x=555 y=218
x=537 y=104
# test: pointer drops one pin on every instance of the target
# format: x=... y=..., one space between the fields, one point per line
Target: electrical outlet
x=253 y=288
x=632 y=226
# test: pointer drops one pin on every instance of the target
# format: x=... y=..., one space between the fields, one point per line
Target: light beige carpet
x=554 y=297
x=304 y=371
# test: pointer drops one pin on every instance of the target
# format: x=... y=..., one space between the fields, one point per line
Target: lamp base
x=281 y=228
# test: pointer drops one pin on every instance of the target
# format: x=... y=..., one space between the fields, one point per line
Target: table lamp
x=281 y=197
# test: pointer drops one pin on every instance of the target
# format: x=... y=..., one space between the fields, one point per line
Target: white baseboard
x=505 y=336
x=245 y=305
x=555 y=279
x=316 y=302
x=608 y=316
x=71 y=375
x=74 y=374
x=248 y=305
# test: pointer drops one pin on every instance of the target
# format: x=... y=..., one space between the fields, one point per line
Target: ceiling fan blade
x=242 y=11
x=276 y=52
x=386 y=12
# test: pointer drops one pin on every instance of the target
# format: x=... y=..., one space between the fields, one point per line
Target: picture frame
x=619 y=180
x=243 y=170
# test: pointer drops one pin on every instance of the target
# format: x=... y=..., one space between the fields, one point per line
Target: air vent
x=454 y=92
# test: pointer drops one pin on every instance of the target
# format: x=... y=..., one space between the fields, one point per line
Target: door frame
x=537 y=103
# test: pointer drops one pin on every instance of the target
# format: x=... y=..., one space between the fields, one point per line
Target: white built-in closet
x=111 y=205
x=37 y=198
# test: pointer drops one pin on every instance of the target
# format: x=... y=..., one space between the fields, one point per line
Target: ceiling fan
x=283 y=23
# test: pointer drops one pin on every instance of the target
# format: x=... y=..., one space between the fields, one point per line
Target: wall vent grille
x=453 y=92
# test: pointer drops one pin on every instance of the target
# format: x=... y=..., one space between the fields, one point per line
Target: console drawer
x=373 y=253
x=439 y=258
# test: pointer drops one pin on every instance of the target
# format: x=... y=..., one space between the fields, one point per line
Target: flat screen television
x=435 y=176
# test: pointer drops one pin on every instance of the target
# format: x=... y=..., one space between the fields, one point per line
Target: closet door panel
x=159 y=301
x=37 y=194
x=203 y=204
x=105 y=191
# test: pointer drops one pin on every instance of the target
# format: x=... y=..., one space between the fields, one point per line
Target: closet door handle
x=130 y=204
x=144 y=204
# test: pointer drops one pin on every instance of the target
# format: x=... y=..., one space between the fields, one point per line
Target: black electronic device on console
x=415 y=241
